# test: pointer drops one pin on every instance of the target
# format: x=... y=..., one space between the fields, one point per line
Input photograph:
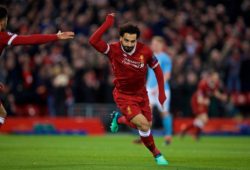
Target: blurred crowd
x=200 y=35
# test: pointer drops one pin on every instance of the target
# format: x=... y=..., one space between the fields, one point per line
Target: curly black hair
x=129 y=28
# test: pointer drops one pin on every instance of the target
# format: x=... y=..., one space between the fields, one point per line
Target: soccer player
x=207 y=87
x=7 y=39
x=157 y=46
x=129 y=59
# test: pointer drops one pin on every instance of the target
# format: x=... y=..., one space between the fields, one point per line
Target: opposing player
x=207 y=87
x=129 y=59
x=7 y=39
x=158 y=45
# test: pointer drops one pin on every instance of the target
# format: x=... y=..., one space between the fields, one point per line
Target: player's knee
x=144 y=126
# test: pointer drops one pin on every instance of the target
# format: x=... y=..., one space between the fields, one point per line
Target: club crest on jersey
x=142 y=58
x=129 y=110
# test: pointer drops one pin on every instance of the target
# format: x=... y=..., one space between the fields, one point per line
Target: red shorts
x=198 y=108
x=132 y=105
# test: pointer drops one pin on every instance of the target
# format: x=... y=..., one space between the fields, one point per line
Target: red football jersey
x=130 y=69
x=207 y=89
x=6 y=38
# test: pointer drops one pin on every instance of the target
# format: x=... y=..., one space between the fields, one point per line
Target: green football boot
x=114 y=127
x=160 y=160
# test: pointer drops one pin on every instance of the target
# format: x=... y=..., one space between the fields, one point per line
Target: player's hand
x=162 y=98
x=65 y=35
x=110 y=19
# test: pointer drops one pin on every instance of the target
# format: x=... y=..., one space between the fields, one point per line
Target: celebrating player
x=207 y=87
x=7 y=38
x=129 y=60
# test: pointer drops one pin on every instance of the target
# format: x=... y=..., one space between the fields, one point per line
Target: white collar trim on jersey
x=130 y=53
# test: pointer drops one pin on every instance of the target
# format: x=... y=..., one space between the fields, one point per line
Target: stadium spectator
x=200 y=34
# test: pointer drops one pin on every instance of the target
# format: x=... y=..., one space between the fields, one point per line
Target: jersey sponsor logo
x=135 y=64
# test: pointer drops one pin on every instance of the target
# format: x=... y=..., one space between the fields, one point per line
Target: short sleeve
x=166 y=65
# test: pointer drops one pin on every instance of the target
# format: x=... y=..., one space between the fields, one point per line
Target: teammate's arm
x=96 y=38
x=38 y=38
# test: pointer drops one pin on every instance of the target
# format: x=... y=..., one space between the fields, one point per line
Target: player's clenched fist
x=65 y=35
x=110 y=18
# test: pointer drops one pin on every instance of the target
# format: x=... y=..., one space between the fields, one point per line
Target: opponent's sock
x=148 y=141
x=123 y=120
x=167 y=125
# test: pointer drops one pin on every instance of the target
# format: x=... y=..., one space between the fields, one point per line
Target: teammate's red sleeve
x=32 y=39
x=160 y=80
x=96 y=39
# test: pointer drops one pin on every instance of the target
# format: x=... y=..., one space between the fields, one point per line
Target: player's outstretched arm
x=160 y=79
x=39 y=38
x=96 y=38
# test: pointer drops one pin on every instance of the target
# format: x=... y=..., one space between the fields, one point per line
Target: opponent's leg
x=166 y=118
x=167 y=126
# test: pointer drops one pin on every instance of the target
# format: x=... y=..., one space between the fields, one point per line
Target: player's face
x=128 y=41
x=3 y=24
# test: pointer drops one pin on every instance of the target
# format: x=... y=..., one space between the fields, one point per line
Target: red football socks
x=123 y=120
x=189 y=127
x=148 y=141
x=196 y=131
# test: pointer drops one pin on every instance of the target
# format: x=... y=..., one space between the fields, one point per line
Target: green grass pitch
x=117 y=152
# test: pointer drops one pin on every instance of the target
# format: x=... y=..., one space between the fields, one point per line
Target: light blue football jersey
x=166 y=66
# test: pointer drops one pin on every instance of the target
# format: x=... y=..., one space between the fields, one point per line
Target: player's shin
x=148 y=141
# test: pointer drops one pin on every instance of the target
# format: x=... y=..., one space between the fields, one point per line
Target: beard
x=127 y=48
